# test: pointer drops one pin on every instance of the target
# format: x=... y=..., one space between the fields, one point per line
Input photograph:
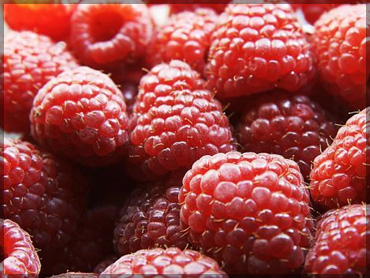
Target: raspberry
x=43 y=194
x=258 y=47
x=339 y=174
x=90 y=243
x=312 y=10
x=219 y=8
x=104 y=35
x=176 y=121
x=339 y=45
x=105 y=263
x=340 y=242
x=169 y=261
x=18 y=254
x=52 y=20
x=30 y=61
x=81 y=115
x=248 y=211
x=186 y=36
x=151 y=218
x=292 y=126
x=76 y=275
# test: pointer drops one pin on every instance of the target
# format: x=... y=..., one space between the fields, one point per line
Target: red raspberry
x=52 y=20
x=105 y=263
x=340 y=44
x=169 y=261
x=17 y=252
x=219 y=8
x=312 y=10
x=176 y=121
x=44 y=195
x=151 y=218
x=339 y=174
x=30 y=61
x=292 y=126
x=103 y=35
x=185 y=36
x=90 y=243
x=258 y=47
x=340 y=242
x=248 y=211
x=76 y=275
x=81 y=115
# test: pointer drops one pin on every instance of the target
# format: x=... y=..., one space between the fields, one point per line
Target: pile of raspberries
x=200 y=139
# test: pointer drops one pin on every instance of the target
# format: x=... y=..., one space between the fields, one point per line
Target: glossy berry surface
x=168 y=261
x=339 y=174
x=175 y=122
x=258 y=47
x=43 y=194
x=185 y=36
x=292 y=126
x=52 y=20
x=340 y=242
x=151 y=217
x=18 y=254
x=81 y=115
x=106 y=34
x=30 y=61
x=250 y=212
x=339 y=45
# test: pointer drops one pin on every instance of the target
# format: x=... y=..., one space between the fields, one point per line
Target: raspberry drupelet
x=167 y=262
x=256 y=48
x=340 y=243
x=30 y=61
x=339 y=175
x=292 y=126
x=339 y=44
x=250 y=212
x=18 y=253
x=185 y=36
x=81 y=115
x=175 y=122
x=44 y=195
x=151 y=217
x=107 y=34
x=51 y=19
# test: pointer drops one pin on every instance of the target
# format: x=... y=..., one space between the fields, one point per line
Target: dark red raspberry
x=339 y=45
x=52 y=19
x=151 y=218
x=339 y=175
x=104 y=35
x=258 y=47
x=18 y=256
x=30 y=61
x=81 y=115
x=105 y=263
x=43 y=194
x=176 y=121
x=90 y=243
x=185 y=36
x=76 y=275
x=292 y=126
x=250 y=212
x=166 y=261
x=340 y=242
